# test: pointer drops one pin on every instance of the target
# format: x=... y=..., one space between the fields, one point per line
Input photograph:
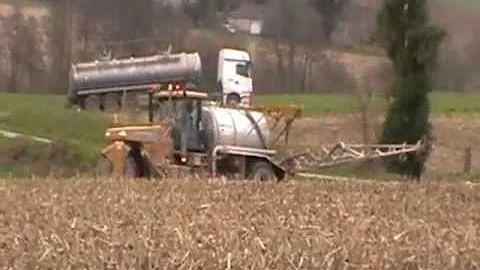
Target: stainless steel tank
x=233 y=127
x=161 y=68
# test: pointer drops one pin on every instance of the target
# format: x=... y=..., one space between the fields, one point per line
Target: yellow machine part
x=116 y=153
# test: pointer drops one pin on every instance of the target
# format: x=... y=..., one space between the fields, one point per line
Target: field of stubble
x=53 y=224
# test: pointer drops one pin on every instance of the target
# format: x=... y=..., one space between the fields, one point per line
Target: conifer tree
x=412 y=44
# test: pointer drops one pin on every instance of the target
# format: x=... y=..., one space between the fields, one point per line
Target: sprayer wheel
x=262 y=171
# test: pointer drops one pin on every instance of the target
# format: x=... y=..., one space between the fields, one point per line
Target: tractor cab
x=183 y=109
x=173 y=135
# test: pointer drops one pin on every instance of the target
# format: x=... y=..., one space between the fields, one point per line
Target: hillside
x=29 y=8
x=330 y=68
x=76 y=137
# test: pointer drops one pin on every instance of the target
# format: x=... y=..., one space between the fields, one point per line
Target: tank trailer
x=101 y=84
x=188 y=134
x=109 y=84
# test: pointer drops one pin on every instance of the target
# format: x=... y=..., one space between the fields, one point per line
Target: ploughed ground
x=111 y=224
x=453 y=134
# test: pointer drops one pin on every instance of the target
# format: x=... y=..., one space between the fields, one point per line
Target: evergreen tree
x=412 y=44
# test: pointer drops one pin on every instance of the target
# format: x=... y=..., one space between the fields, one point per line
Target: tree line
x=37 y=52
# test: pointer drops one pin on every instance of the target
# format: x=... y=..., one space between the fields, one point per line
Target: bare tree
x=125 y=27
x=230 y=5
x=364 y=94
x=60 y=40
x=176 y=33
x=330 y=11
x=370 y=86
x=133 y=20
x=25 y=59
x=201 y=12
x=471 y=59
x=16 y=54
x=289 y=25
x=454 y=72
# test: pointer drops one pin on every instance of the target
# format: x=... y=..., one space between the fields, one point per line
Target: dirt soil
x=30 y=159
x=217 y=225
x=453 y=135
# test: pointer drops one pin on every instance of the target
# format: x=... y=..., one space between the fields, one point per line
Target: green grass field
x=442 y=103
x=45 y=116
x=462 y=3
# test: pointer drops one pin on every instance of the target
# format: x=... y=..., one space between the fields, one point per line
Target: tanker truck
x=110 y=83
x=234 y=77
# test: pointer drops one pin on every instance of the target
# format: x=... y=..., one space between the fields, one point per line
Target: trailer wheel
x=262 y=171
x=92 y=103
x=112 y=102
x=129 y=101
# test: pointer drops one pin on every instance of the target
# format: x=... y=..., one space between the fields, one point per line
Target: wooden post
x=124 y=100
x=243 y=167
x=335 y=133
x=467 y=168
x=287 y=132
x=150 y=106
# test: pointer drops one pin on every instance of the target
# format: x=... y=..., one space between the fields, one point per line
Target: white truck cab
x=234 y=77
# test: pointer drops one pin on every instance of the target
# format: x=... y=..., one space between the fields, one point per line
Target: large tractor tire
x=262 y=171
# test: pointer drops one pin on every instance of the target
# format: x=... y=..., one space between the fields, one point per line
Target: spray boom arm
x=342 y=153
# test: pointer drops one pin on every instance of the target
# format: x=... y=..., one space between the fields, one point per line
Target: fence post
x=335 y=134
x=467 y=167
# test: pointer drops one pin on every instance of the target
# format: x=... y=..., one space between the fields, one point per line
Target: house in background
x=249 y=18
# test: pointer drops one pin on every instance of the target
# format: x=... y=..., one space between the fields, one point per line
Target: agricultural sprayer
x=188 y=134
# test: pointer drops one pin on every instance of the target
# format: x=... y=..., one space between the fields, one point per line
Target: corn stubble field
x=181 y=224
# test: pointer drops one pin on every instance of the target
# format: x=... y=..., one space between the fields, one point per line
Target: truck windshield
x=163 y=110
x=244 y=69
x=177 y=109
